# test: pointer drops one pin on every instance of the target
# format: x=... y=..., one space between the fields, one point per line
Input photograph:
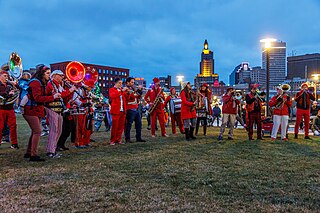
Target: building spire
x=206 y=45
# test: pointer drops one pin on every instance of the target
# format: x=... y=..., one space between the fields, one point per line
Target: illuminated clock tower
x=207 y=61
x=207 y=74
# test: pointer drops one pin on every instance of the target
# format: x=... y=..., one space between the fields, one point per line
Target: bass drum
x=175 y=105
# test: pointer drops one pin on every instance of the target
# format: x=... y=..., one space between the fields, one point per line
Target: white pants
x=277 y=121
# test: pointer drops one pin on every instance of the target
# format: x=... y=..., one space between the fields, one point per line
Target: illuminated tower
x=207 y=61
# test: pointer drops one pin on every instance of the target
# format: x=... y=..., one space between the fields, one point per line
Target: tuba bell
x=75 y=72
x=285 y=87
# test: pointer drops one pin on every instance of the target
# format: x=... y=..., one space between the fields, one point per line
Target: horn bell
x=75 y=72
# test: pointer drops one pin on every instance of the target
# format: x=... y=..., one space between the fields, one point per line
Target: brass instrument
x=157 y=100
x=14 y=67
x=280 y=100
x=258 y=95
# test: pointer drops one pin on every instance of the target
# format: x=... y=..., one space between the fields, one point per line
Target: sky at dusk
x=155 y=38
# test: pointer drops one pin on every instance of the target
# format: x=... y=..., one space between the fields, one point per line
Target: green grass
x=167 y=174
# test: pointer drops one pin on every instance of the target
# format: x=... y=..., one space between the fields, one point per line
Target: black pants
x=68 y=127
x=204 y=119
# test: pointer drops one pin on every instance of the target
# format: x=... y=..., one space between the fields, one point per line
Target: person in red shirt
x=158 y=112
x=280 y=102
x=188 y=110
x=303 y=99
x=55 y=109
x=132 y=111
x=117 y=97
x=176 y=116
x=229 y=112
x=7 y=114
x=34 y=109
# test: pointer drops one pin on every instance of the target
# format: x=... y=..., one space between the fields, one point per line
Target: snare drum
x=175 y=105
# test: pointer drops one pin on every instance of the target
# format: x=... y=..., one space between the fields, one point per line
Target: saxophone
x=157 y=100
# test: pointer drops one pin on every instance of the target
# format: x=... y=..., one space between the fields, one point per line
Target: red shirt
x=284 y=109
x=133 y=99
x=229 y=104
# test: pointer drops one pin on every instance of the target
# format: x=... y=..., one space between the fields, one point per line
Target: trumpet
x=258 y=95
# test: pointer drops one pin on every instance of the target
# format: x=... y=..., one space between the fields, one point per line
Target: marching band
x=67 y=99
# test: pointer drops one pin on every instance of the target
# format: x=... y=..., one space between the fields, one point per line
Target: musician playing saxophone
x=188 y=111
x=6 y=111
x=155 y=98
x=174 y=116
x=281 y=103
x=254 y=108
x=303 y=99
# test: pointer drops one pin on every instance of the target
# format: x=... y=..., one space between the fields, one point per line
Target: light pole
x=316 y=79
x=267 y=45
x=180 y=79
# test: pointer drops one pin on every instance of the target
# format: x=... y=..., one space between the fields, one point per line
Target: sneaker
x=307 y=137
x=165 y=135
x=112 y=143
x=36 y=158
x=14 y=146
x=153 y=136
x=121 y=143
x=284 y=139
x=273 y=139
x=220 y=138
x=53 y=155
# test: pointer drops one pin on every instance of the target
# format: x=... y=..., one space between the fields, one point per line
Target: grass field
x=166 y=174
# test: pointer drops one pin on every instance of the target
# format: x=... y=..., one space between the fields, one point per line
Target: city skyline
x=155 y=39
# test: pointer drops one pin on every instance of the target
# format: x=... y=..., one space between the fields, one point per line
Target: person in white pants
x=280 y=103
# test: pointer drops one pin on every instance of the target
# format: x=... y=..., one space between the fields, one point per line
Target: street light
x=180 y=80
x=267 y=45
x=316 y=79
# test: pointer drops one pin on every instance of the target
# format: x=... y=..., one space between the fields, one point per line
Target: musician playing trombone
x=155 y=99
x=281 y=103
x=303 y=99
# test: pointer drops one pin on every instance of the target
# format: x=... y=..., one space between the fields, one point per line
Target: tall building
x=140 y=82
x=207 y=74
x=240 y=74
x=303 y=66
x=277 y=63
x=258 y=76
x=106 y=74
x=165 y=82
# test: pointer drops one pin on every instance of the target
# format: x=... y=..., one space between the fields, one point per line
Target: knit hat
x=204 y=85
x=254 y=86
x=304 y=84
x=3 y=72
x=156 y=80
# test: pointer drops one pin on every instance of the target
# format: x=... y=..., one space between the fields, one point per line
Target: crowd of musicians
x=68 y=110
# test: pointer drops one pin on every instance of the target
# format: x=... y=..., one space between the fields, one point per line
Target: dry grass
x=167 y=174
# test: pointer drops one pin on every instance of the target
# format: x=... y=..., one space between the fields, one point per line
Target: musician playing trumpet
x=281 y=103
x=254 y=108
x=303 y=99
x=155 y=98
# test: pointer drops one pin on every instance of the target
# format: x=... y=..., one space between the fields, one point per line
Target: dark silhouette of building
x=106 y=74
x=240 y=74
x=303 y=66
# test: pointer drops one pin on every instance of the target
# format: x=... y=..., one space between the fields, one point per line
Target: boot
x=191 y=133
x=204 y=130
x=186 y=132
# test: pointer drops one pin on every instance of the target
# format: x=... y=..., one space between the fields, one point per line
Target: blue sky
x=155 y=38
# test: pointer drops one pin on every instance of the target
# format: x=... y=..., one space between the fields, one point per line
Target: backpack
x=26 y=97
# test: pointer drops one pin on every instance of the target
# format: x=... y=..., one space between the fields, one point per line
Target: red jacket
x=37 y=94
x=151 y=96
x=303 y=103
x=133 y=99
x=50 y=90
x=114 y=95
x=284 y=110
x=229 y=104
x=187 y=107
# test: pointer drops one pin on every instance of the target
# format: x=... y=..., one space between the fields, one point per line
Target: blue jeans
x=133 y=115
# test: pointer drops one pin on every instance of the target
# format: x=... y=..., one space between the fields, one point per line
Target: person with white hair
x=55 y=109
